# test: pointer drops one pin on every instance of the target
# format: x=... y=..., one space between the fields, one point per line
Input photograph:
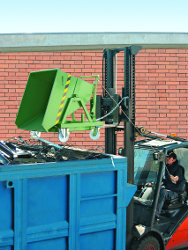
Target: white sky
x=36 y=16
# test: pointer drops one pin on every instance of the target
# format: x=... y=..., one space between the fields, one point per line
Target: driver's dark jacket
x=176 y=170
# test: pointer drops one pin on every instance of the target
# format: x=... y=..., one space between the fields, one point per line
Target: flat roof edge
x=89 y=41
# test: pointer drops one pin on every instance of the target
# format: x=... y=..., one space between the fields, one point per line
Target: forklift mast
x=126 y=112
x=110 y=100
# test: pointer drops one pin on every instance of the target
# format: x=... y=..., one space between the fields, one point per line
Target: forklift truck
x=146 y=162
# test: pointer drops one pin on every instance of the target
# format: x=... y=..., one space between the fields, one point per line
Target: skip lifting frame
x=51 y=97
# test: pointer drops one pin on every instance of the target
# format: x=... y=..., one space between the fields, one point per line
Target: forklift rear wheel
x=147 y=243
x=63 y=135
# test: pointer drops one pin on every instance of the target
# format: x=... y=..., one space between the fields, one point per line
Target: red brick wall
x=161 y=89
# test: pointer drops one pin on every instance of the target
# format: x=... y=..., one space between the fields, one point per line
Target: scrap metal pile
x=19 y=151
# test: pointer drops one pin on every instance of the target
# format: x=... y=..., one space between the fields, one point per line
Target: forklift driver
x=173 y=182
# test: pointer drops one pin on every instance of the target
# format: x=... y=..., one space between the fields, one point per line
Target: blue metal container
x=66 y=205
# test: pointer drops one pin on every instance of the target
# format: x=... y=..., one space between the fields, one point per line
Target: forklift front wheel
x=63 y=135
x=148 y=242
x=94 y=134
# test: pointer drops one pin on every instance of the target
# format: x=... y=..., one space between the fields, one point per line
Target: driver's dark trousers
x=164 y=194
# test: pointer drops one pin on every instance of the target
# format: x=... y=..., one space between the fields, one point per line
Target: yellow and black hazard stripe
x=63 y=99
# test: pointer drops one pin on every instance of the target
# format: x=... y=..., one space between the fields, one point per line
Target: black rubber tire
x=147 y=243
